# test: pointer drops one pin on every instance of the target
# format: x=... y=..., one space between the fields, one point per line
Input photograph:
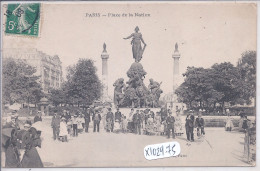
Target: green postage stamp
x=23 y=19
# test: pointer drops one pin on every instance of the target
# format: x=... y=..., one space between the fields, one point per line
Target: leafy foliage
x=20 y=84
x=204 y=88
x=82 y=86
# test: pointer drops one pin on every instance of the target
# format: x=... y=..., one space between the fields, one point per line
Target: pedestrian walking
x=130 y=124
x=63 y=130
x=110 y=120
x=189 y=125
x=9 y=141
x=75 y=126
x=31 y=157
x=199 y=123
x=118 y=115
x=55 y=124
x=124 y=124
x=229 y=124
x=170 y=125
x=96 y=119
x=87 y=119
x=137 y=119
x=178 y=125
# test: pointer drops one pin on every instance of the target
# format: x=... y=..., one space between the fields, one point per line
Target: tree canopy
x=20 y=84
x=82 y=87
x=221 y=83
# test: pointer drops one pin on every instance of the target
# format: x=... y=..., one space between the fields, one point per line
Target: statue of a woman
x=136 y=44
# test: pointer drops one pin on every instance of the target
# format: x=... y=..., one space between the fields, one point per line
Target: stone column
x=176 y=56
x=104 y=57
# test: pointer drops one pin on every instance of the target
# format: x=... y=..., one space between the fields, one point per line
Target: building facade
x=48 y=67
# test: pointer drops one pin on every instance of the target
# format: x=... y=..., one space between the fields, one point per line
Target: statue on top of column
x=136 y=44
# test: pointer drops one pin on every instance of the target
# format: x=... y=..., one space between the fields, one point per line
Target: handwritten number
x=173 y=149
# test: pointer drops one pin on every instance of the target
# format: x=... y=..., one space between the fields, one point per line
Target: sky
x=207 y=33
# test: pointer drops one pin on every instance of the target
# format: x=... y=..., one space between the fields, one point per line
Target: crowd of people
x=146 y=122
x=20 y=142
x=21 y=139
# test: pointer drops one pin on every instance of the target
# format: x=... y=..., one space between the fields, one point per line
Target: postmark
x=23 y=19
x=163 y=150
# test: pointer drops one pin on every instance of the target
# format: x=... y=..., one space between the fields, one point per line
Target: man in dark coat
x=170 y=125
x=110 y=120
x=189 y=125
x=55 y=124
x=87 y=119
x=200 y=125
x=118 y=115
x=137 y=119
x=96 y=119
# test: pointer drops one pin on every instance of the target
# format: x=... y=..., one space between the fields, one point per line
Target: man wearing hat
x=137 y=119
x=200 y=125
x=96 y=119
x=118 y=115
x=170 y=125
x=55 y=124
x=87 y=119
x=189 y=125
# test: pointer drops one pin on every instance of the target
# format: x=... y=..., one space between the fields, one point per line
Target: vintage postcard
x=128 y=84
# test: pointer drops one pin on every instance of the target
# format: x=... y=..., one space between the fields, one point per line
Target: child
x=229 y=123
x=79 y=122
x=63 y=130
x=149 y=127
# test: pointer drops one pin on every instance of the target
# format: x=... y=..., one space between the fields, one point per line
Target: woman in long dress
x=31 y=158
x=157 y=122
x=178 y=125
x=150 y=125
x=136 y=44
x=63 y=130
x=12 y=155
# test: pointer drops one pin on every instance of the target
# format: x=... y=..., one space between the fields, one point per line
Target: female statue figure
x=136 y=44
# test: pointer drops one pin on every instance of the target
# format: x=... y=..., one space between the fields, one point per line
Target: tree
x=57 y=97
x=20 y=84
x=204 y=88
x=83 y=86
x=227 y=80
x=247 y=68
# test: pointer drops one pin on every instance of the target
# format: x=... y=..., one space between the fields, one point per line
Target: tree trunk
x=28 y=101
x=223 y=107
